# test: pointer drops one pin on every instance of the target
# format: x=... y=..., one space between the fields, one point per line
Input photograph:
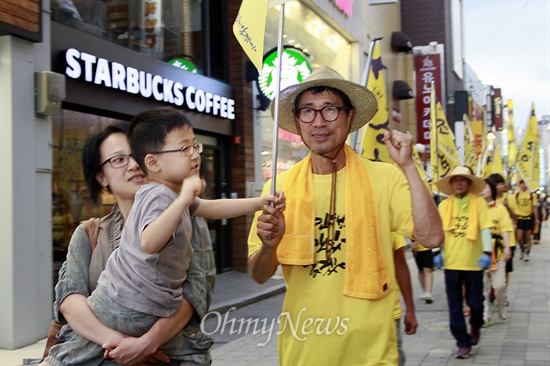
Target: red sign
x=497 y=109
x=345 y=6
x=427 y=68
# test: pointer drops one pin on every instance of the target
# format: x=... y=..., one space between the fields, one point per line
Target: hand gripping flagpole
x=276 y=100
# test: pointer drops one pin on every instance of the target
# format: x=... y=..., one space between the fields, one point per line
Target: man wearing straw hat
x=334 y=242
x=467 y=252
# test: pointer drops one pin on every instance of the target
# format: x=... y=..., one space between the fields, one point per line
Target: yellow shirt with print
x=500 y=201
x=525 y=202
x=318 y=324
x=460 y=253
x=501 y=223
x=398 y=243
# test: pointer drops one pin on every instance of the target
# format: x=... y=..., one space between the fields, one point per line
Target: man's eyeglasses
x=187 y=150
x=329 y=113
x=117 y=161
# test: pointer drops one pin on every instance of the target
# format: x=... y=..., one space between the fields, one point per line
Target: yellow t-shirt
x=398 y=242
x=459 y=252
x=501 y=223
x=319 y=325
x=421 y=248
x=525 y=202
x=500 y=201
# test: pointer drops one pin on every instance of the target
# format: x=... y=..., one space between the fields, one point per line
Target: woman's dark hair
x=91 y=153
x=493 y=187
x=497 y=178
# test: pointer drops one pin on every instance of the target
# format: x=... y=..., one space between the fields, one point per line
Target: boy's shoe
x=475 y=334
x=526 y=258
x=487 y=322
x=428 y=298
x=463 y=352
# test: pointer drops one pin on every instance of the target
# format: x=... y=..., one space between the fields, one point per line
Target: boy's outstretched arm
x=229 y=208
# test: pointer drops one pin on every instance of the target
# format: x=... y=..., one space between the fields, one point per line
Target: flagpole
x=364 y=81
x=276 y=99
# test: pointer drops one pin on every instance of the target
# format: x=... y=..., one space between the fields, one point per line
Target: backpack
x=91 y=227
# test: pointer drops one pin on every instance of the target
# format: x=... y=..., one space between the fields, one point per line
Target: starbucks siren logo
x=294 y=69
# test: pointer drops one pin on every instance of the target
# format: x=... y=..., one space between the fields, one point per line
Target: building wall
x=25 y=195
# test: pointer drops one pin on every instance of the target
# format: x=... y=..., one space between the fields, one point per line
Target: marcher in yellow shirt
x=334 y=241
x=528 y=217
x=495 y=276
x=466 y=252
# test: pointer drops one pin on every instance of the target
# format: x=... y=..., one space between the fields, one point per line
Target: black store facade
x=106 y=83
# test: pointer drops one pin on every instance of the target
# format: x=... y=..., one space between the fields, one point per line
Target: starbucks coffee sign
x=294 y=69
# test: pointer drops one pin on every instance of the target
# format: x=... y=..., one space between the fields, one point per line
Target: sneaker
x=475 y=334
x=502 y=312
x=428 y=298
x=526 y=258
x=463 y=352
x=487 y=322
x=521 y=256
x=423 y=296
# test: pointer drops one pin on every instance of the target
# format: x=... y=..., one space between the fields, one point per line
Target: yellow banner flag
x=373 y=146
x=443 y=153
x=470 y=158
x=512 y=148
x=249 y=29
x=527 y=163
x=420 y=167
x=497 y=161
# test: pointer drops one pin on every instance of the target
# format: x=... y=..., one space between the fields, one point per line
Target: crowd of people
x=137 y=282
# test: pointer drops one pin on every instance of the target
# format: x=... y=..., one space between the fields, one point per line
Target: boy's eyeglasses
x=117 y=161
x=329 y=113
x=187 y=150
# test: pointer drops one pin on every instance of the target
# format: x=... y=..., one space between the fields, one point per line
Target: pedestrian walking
x=466 y=253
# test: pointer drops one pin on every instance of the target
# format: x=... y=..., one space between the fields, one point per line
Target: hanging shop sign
x=114 y=75
x=496 y=98
x=294 y=69
x=427 y=68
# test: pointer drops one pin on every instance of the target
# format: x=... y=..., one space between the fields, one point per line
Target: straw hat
x=361 y=98
x=476 y=187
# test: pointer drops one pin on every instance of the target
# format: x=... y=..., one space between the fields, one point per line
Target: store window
x=322 y=45
x=168 y=30
x=71 y=202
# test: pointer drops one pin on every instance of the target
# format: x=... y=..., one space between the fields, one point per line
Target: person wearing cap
x=334 y=241
x=466 y=251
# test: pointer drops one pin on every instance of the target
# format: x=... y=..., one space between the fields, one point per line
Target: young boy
x=143 y=277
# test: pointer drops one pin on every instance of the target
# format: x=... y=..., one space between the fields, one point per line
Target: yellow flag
x=512 y=148
x=249 y=29
x=373 y=146
x=420 y=167
x=527 y=163
x=497 y=161
x=443 y=153
x=470 y=158
x=487 y=163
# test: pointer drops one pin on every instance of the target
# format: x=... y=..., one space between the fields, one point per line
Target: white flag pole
x=276 y=100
